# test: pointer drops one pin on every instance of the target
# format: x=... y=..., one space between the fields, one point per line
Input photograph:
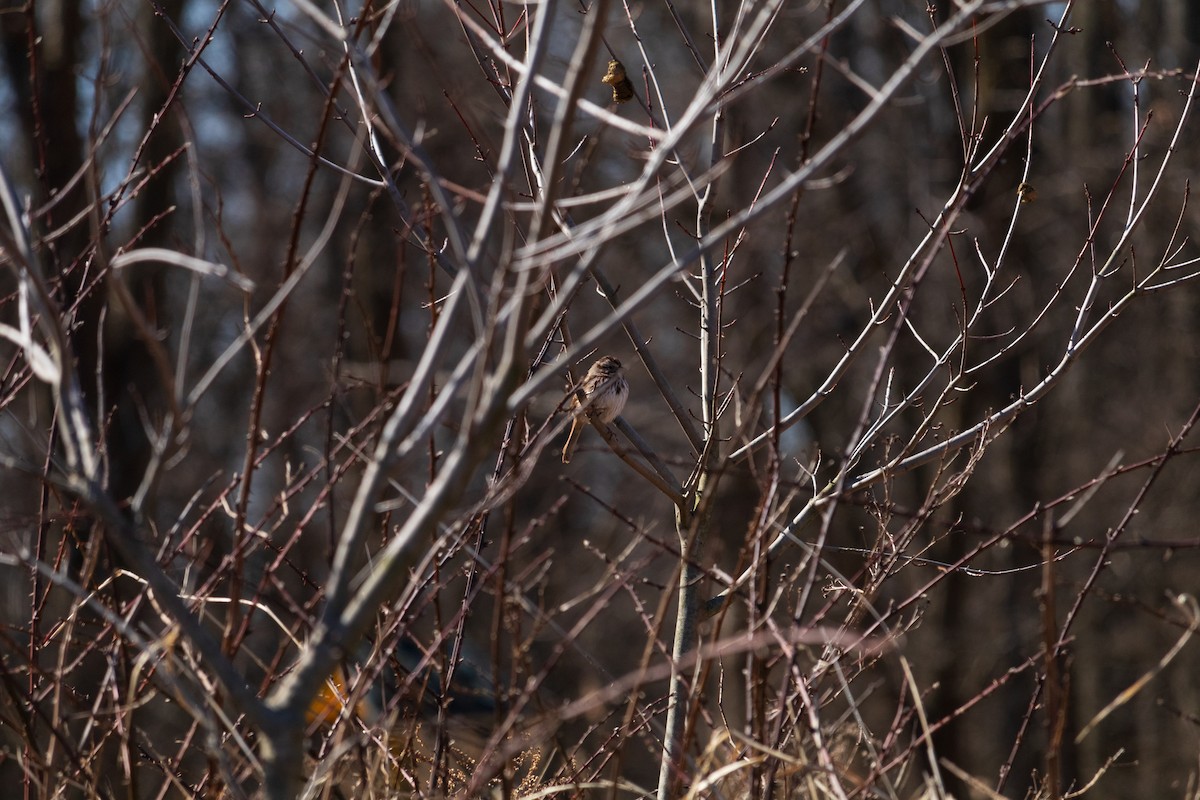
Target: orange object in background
x=408 y=680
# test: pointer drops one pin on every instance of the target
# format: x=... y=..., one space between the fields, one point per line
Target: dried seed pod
x=615 y=74
x=622 y=89
x=1026 y=193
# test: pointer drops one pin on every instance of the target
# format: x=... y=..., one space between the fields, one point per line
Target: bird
x=605 y=391
x=428 y=730
x=404 y=680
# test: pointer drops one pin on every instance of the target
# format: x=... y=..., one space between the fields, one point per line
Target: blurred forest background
x=963 y=255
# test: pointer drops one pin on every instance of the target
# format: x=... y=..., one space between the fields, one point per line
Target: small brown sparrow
x=605 y=390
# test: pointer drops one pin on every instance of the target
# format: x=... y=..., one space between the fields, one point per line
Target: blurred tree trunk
x=131 y=386
x=44 y=54
x=1098 y=107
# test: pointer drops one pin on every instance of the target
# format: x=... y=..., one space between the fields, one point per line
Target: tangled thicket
x=901 y=504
